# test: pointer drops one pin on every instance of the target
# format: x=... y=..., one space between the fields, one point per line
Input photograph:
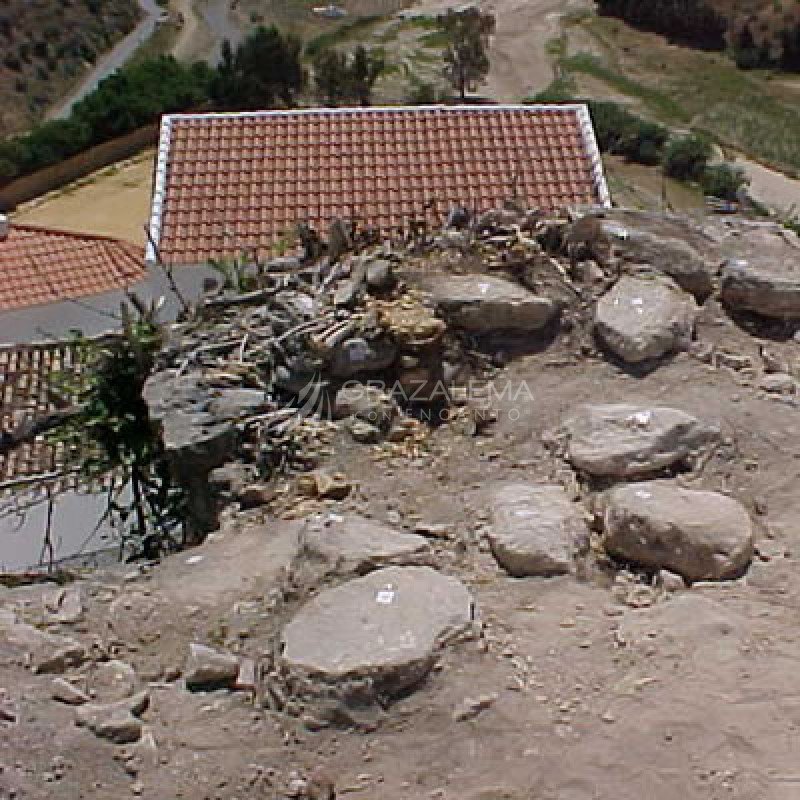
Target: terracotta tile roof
x=228 y=182
x=26 y=373
x=42 y=265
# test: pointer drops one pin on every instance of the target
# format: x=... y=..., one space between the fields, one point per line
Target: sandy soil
x=114 y=202
x=693 y=695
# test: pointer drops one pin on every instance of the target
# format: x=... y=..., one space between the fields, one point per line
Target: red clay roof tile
x=42 y=265
x=238 y=181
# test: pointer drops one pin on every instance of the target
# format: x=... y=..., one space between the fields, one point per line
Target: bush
x=423 y=94
x=686 y=157
x=622 y=133
x=723 y=181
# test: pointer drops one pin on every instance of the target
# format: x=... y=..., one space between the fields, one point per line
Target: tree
x=747 y=54
x=686 y=157
x=365 y=68
x=265 y=71
x=331 y=76
x=347 y=78
x=467 y=34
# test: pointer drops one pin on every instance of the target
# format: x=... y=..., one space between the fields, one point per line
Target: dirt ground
x=114 y=202
x=694 y=695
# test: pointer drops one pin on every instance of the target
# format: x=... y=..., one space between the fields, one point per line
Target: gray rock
x=233 y=477
x=764 y=275
x=353 y=544
x=384 y=629
x=536 y=530
x=357 y=355
x=64 y=605
x=117 y=722
x=66 y=692
x=699 y=535
x=367 y=403
x=627 y=441
x=675 y=246
x=207 y=668
x=196 y=442
x=347 y=294
x=485 y=303
x=379 y=275
x=45 y=652
x=779 y=383
x=643 y=318
x=235 y=403
x=114 y=680
x=166 y=391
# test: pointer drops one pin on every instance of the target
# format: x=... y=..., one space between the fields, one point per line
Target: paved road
x=111 y=61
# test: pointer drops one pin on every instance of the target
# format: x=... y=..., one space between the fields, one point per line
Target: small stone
x=608 y=717
x=207 y=668
x=66 y=692
x=334 y=486
x=246 y=679
x=471 y=707
x=670 y=581
x=778 y=383
x=118 y=722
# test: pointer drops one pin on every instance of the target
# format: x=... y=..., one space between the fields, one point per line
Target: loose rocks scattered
x=536 y=530
x=44 y=652
x=626 y=441
x=699 y=535
x=385 y=628
x=643 y=318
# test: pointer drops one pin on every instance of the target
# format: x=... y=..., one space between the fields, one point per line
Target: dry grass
x=748 y=110
x=114 y=202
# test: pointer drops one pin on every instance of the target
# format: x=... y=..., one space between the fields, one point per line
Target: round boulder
x=699 y=535
x=384 y=629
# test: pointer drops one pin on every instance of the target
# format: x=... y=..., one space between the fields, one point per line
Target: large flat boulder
x=536 y=530
x=628 y=441
x=485 y=303
x=700 y=535
x=673 y=245
x=764 y=275
x=645 y=317
x=352 y=544
x=384 y=629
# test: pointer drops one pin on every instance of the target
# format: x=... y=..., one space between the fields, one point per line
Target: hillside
x=46 y=44
x=758 y=32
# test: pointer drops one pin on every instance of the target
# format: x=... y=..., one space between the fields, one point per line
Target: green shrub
x=723 y=181
x=622 y=133
x=686 y=157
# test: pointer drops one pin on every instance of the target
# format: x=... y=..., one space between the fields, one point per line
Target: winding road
x=111 y=61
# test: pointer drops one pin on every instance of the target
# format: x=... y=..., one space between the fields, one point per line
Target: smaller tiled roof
x=232 y=182
x=27 y=374
x=42 y=265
